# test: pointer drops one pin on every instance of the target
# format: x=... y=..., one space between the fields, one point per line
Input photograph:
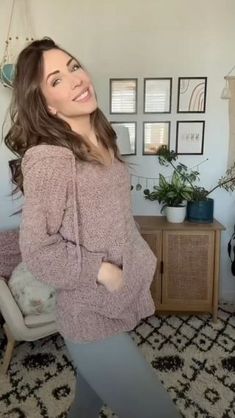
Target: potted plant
x=200 y=206
x=173 y=196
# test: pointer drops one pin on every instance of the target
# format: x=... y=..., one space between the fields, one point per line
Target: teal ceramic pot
x=201 y=211
x=7 y=74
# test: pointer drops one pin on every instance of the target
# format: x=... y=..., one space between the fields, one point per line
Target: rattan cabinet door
x=154 y=240
x=188 y=264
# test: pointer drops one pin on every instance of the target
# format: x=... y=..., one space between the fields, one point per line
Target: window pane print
x=157 y=97
x=132 y=129
x=156 y=134
x=132 y=133
x=123 y=96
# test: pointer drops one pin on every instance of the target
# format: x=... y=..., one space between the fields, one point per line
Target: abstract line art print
x=192 y=94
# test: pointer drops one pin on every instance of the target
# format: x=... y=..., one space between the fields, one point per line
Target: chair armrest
x=15 y=319
x=8 y=306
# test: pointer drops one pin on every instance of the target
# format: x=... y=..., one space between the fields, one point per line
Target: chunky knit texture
x=10 y=255
x=75 y=215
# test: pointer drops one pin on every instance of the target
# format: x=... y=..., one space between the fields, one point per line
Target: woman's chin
x=87 y=107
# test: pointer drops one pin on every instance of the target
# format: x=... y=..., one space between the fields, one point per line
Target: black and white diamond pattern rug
x=194 y=358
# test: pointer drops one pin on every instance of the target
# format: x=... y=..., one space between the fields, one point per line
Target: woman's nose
x=75 y=81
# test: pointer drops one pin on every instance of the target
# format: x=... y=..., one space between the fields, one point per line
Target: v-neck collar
x=110 y=151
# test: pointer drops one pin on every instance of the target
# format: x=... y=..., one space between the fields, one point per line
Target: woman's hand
x=111 y=276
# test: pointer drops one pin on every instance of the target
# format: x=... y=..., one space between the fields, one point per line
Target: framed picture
x=126 y=137
x=123 y=95
x=190 y=137
x=192 y=95
x=155 y=134
x=157 y=95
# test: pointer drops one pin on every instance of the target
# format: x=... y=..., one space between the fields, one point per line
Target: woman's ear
x=52 y=110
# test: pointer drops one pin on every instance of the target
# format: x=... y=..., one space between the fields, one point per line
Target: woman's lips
x=83 y=97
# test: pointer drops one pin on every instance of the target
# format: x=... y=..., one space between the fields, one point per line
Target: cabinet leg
x=215 y=315
x=216 y=278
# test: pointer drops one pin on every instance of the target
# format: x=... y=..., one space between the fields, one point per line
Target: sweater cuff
x=90 y=264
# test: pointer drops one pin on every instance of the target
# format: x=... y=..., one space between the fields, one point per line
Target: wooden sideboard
x=187 y=274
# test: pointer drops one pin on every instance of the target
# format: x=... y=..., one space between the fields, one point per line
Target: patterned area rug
x=194 y=358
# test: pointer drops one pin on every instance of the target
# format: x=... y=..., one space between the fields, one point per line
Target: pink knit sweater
x=75 y=215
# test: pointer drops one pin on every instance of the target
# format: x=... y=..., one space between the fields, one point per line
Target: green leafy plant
x=172 y=193
x=182 y=185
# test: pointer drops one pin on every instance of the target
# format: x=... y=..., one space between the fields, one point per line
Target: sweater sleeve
x=47 y=255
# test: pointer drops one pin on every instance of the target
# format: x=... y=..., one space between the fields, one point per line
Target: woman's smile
x=83 y=97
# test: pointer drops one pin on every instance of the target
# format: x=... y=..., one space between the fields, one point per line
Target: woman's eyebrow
x=57 y=71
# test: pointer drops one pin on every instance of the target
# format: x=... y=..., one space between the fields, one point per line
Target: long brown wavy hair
x=32 y=124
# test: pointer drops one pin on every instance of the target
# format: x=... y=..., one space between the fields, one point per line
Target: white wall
x=164 y=38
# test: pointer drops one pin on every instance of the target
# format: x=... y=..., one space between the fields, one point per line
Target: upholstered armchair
x=17 y=327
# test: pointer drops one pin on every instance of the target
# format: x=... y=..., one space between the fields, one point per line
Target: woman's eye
x=75 y=67
x=55 y=82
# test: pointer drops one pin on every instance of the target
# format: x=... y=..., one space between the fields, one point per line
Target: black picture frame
x=190 y=137
x=168 y=90
x=111 y=103
x=192 y=93
x=133 y=139
x=161 y=142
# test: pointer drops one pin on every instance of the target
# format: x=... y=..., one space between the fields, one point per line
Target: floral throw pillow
x=32 y=296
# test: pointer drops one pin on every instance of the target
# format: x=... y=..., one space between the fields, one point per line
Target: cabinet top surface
x=151 y=223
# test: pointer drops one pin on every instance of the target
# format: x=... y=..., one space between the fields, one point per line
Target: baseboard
x=227 y=298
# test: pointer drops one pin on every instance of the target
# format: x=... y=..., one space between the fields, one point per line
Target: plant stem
x=221 y=184
x=189 y=181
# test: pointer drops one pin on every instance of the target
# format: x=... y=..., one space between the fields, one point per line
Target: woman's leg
x=121 y=376
x=86 y=402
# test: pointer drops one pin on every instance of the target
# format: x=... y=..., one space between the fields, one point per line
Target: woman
x=78 y=232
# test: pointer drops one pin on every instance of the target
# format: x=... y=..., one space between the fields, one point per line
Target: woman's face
x=67 y=88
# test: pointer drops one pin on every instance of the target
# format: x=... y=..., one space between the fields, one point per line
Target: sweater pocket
x=90 y=264
x=139 y=265
x=87 y=291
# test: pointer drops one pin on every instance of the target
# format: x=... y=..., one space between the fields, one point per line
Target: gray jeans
x=115 y=372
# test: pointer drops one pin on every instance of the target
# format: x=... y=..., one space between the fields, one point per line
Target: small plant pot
x=201 y=211
x=175 y=214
